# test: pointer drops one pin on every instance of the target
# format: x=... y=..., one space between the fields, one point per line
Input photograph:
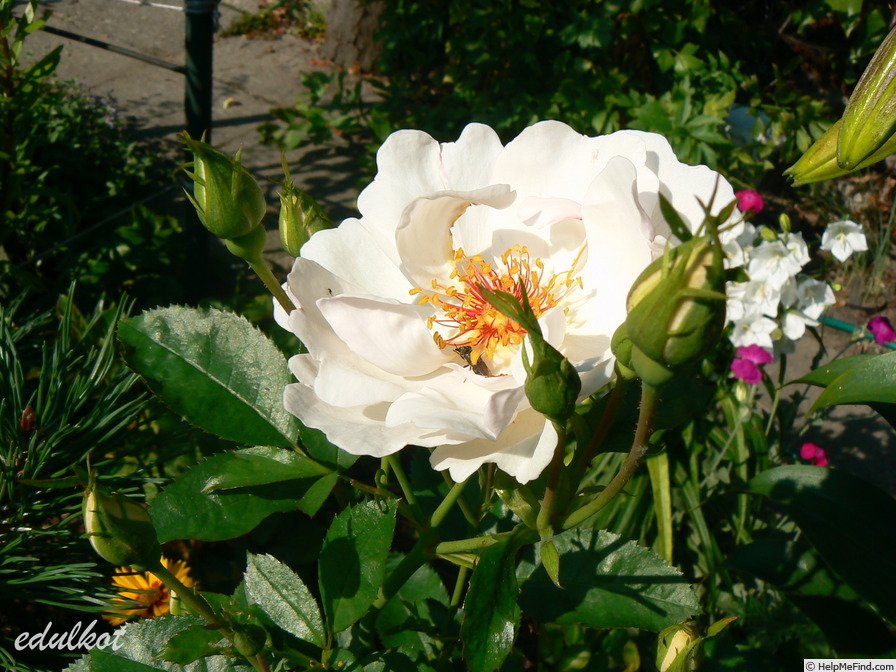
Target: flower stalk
x=646 y=418
x=198 y=604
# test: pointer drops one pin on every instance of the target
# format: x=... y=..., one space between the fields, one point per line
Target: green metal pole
x=199 y=37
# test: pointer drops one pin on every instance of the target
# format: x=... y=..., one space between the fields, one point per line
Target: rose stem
x=545 y=513
x=418 y=554
x=266 y=275
x=200 y=606
x=639 y=449
x=603 y=427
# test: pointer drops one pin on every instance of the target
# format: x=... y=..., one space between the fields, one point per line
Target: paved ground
x=251 y=76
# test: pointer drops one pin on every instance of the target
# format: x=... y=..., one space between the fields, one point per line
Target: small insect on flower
x=478 y=367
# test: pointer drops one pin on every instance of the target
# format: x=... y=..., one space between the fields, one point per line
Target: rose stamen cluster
x=476 y=323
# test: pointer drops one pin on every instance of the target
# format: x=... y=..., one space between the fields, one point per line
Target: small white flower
x=755 y=296
x=843 y=238
x=797 y=248
x=773 y=263
x=754 y=329
x=814 y=297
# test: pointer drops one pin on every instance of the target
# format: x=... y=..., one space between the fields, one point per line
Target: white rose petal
x=403 y=351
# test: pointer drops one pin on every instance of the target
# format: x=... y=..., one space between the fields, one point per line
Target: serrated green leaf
x=142 y=642
x=282 y=595
x=848 y=520
x=215 y=369
x=263 y=465
x=491 y=614
x=353 y=561
x=184 y=511
x=193 y=643
x=609 y=583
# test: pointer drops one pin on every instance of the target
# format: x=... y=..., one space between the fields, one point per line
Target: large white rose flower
x=403 y=349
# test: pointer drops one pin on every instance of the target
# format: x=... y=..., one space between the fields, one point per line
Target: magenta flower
x=749 y=200
x=746 y=364
x=882 y=330
x=816 y=454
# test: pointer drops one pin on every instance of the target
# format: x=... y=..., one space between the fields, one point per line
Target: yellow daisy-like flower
x=146 y=588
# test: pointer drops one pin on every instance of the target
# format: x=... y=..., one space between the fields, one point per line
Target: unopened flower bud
x=678 y=648
x=819 y=162
x=300 y=218
x=552 y=383
x=119 y=529
x=621 y=345
x=676 y=309
x=869 y=121
x=227 y=198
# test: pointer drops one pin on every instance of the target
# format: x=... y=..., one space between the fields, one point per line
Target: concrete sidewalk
x=250 y=77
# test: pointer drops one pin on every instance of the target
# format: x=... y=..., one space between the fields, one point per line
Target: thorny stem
x=639 y=449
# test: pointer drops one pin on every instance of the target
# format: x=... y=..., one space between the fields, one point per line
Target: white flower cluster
x=776 y=303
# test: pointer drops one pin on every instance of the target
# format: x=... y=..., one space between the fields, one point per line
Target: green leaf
x=193 y=643
x=353 y=561
x=185 y=510
x=317 y=493
x=282 y=595
x=315 y=443
x=144 y=640
x=416 y=611
x=263 y=465
x=863 y=382
x=847 y=519
x=491 y=614
x=215 y=369
x=825 y=375
x=609 y=583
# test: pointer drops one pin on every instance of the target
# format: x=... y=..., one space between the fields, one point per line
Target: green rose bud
x=119 y=529
x=678 y=649
x=676 y=309
x=870 y=118
x=820 y=161
x=621 y=345
x=227 y=198
x=300 y=218
x=552 y=383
